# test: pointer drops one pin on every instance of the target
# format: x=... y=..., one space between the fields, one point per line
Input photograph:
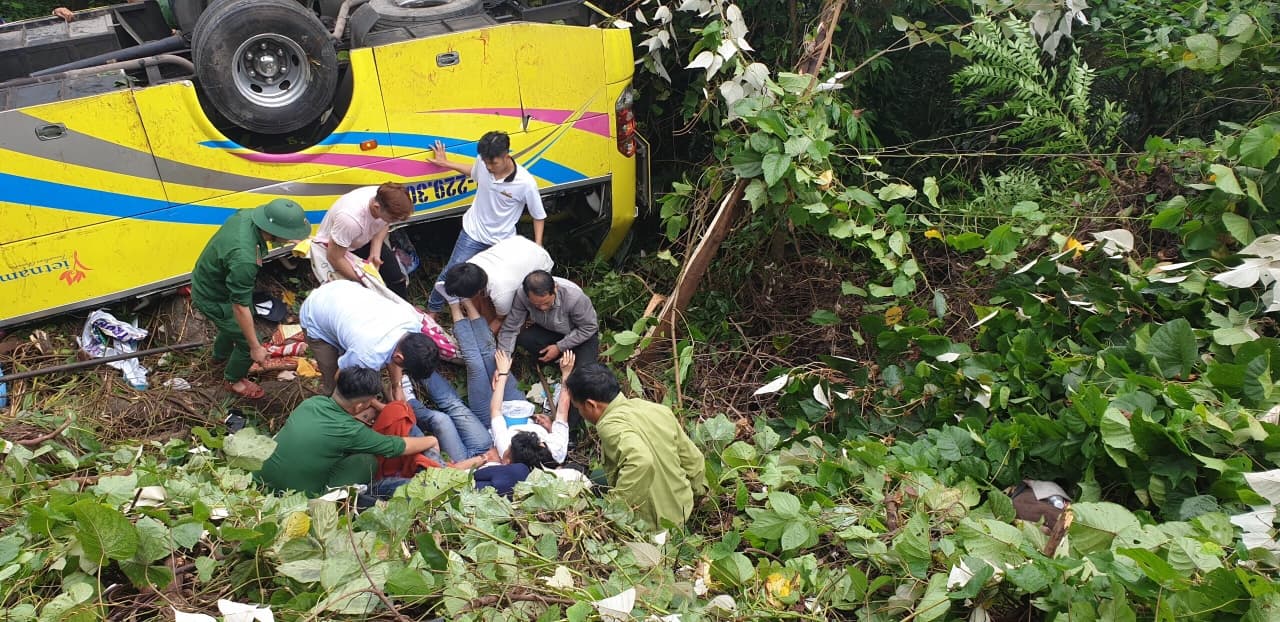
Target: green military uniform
x=225 y=274
x=650 y=461
x=321 y=446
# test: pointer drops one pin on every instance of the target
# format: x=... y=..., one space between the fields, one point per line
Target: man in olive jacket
x=651 y=464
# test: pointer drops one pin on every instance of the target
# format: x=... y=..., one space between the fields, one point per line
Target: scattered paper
x=1266 y=483
x=150 y=497
x=723 y=603
x=177 y=384
x=243 y=612
x=562 y=579
x=183 y=616
x=774 y=385
x=286 y=376
x=617 y=608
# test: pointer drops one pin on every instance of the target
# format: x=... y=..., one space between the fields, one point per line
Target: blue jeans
x=477 y=347
x=460 y=432
x=465 y=248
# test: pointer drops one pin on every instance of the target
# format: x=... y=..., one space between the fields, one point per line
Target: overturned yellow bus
x=129 y=135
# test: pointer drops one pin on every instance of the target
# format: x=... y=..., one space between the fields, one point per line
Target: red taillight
x=626 y=123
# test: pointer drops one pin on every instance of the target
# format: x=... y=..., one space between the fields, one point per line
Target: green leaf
x=935 y=603
x=757 y=193
x=746 y=164
x=119 y=489
x=1241 y=27
x=966 y=241
x=431 y=484
x=154 y=542
x=785 y=504
x=795 y=83
x=796 y=535
x=901 y=24
x=774 y=166
x=931 y=190
x=771 y=121
x=1173 y=347
x=72 y=596
x=1097 y=524
x=1001 y=240
x=103 y=532
x=1224 y=178
x=430 y=551
x=247 y=449
x=303 y=570
x=187 y=534
x=1188 y=555
x=1154 y=567
x=734 y=569
x=579 y=612
x=893 y=192
x=824 y=317
x=1239 y=227
x=626 y=338
x=1171 y=215
x=739 y=454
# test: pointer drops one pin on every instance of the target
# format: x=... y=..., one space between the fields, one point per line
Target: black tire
x=393 y=15
x=187 y=14
x=287 y=87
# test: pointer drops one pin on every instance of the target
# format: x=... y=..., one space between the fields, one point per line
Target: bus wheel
x=399 y=13
x=268 y=66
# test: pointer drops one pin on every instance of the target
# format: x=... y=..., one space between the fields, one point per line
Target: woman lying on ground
x=509 y=415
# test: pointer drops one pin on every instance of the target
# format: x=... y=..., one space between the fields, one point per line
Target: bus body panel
x=131 y=214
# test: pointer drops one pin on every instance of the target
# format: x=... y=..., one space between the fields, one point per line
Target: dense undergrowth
x=900 y=329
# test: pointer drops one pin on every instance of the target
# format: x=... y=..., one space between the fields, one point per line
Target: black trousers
x=534 y=338
x=391 y=273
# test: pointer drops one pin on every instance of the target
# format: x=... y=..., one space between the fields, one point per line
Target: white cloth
x=507 y=263
x=557 y=440
x=499 y=203
x=349 y=222
x=351 y=317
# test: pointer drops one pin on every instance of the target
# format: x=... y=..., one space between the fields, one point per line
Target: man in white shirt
x=492 y=278
x=358 y=222
x=504 y=191
x=349 y=325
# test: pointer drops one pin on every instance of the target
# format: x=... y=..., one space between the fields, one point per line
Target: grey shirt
x=572 y=315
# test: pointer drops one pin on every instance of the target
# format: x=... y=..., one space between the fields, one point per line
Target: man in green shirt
x=649 y=460
x=323 y=444
x=222 y=283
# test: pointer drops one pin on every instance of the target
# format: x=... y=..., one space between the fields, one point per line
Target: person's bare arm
x=397 y=382
x=337 y=256
x=244 y=318
x=419 y=444
x=502 y=369
x=537 y=231
x=566 y=367
x=440 y=158
x=375 y=246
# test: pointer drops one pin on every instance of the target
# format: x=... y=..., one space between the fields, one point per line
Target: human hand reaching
x=566 y=363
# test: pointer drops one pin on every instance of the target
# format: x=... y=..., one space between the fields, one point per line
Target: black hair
x=493 y=145
x=465 y=280
x=356 y=383
x=592 y=382
x=527 y=449
x=420 y=355
x=538 y=282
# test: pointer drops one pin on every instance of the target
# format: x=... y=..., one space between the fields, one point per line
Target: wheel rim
x=271 y=70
